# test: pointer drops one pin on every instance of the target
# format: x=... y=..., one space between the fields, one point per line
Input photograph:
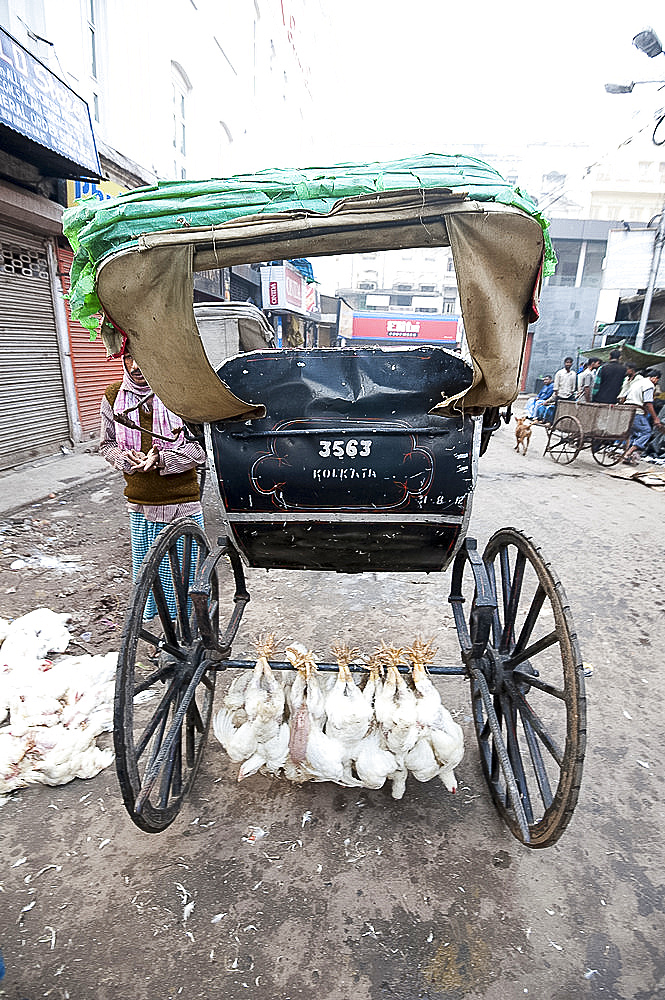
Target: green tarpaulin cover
x=643 y=359
x=96 y=229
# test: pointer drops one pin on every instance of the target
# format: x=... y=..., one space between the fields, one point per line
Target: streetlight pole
x=651 y=284
x=648 y=42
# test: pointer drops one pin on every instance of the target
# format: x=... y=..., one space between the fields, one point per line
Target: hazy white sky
x=423 y=75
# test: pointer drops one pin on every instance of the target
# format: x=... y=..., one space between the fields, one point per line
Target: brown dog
x=522 y=434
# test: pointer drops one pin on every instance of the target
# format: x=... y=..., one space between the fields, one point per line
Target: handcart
x=605 y=428
x=342 y=460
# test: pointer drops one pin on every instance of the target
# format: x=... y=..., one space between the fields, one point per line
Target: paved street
x=353 y=895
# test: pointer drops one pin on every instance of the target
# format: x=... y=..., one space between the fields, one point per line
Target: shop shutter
x=92 y=371
x=33 y=410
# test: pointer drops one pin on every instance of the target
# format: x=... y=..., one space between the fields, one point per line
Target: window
x=180 y=88
x=93 y=23
x=593 y=264
x=566 y=270
x=92 y=38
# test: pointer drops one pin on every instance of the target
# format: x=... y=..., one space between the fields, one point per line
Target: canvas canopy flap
x=498 y=266
x=150 y=296
x=498 y=252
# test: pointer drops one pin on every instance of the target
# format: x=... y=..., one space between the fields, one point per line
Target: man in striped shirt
x=159 y=464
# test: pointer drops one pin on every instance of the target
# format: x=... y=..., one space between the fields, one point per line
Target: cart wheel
x=565 y=440
x=164 y=689
x=609 y=453
x=532 y=675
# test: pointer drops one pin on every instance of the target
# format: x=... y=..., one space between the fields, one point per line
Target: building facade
x=99 y=97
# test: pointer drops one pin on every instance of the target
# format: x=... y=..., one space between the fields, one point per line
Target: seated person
x=544 y=394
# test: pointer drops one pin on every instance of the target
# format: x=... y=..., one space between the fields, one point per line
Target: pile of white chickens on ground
x=310 y=725
x=51 y=710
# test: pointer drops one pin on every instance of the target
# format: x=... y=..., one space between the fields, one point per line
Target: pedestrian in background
x=161 y=482
x=609 y=379
x=638 y=391
x=565 y=381
x=586 y=380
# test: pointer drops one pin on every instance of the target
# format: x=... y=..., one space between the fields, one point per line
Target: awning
x=643 y=359
x=42 y=120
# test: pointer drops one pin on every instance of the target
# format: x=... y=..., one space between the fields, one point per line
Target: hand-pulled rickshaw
x=343 y=460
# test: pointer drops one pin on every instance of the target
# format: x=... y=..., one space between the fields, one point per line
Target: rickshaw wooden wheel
x=533 y=674
x=164 y=688
x=565 y=440
x=609 y=453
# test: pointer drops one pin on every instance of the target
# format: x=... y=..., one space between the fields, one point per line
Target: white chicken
x=263 y=706
x=60 y=754
x=374 y=763
x=42 y=695
x=398 y=711
x=308 y=684
x=313 y=755
x=395 y=711
x=269 y=756
x=32 y=636
x=15 y=765
x=348 y=712
x=440 y=746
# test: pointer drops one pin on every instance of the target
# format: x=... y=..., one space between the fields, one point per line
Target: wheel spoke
x=180 y=589
x=538 y=726
x=537 y=761
x=530 y=620
x=164 y=613
x=536 y=647
x=532 y=680
x=150 y=679
x=515 y=591
x=496 y=763
x=515 y=756
x=171 y=780
x=161 y=712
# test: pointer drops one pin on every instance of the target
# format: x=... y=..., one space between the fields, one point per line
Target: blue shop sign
x=42 y=120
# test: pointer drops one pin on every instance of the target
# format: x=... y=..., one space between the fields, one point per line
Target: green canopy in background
x=643 y=359
x=97 y=229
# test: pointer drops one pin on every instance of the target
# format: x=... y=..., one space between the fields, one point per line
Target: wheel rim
x=159 y=660
x=609 y=452
x=565 y=440
x=532 y=668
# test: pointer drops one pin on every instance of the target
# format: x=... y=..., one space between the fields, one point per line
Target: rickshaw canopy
x=135 y=257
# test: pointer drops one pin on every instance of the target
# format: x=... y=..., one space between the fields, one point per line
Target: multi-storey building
x=101 y=96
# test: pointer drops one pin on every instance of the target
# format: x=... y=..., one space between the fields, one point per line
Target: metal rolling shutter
x=33 y=411
x=92 y=372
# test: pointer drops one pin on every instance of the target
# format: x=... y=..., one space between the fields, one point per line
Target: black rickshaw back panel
x=348 y=470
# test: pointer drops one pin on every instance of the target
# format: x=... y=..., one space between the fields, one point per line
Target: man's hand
x=151 y=459
x=135 y=458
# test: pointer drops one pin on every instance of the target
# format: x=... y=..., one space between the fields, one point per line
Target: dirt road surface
x=350 y=894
